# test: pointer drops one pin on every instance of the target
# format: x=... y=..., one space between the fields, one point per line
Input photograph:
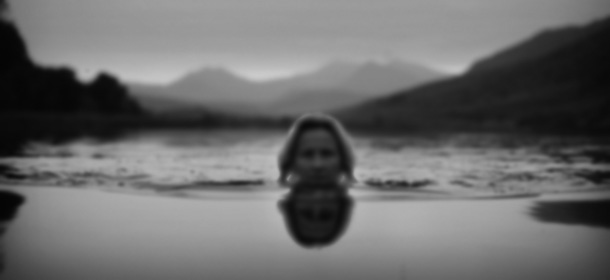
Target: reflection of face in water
x=316 y=216
x=9 y=202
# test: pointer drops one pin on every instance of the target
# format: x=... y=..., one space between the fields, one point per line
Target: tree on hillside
x=3 y=10
x=27 y=87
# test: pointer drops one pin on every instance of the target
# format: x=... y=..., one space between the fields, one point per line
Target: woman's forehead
x=317 y=137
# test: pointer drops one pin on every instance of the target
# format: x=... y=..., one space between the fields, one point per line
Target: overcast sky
x=159 y=40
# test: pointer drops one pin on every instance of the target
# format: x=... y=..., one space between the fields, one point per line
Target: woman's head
x=317 y=150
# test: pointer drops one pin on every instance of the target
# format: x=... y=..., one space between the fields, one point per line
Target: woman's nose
x=318 y=161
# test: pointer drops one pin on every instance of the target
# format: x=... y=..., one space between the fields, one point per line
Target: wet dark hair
x=313 y=122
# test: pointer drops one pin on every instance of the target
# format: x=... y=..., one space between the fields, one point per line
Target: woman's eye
x=307 y=153
x=327 y=153
x=310 y=153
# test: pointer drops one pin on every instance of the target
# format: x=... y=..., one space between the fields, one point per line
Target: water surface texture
x=206 y=205
x=166 y=161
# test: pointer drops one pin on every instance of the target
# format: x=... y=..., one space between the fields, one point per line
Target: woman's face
x=317 y=157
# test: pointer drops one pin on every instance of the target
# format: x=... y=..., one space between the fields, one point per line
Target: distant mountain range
x=558 y=80
x=315 y=100
x=154 y=99
x=332 y=86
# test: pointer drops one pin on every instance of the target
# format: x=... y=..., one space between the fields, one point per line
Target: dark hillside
x=539 y=44
x=27 y=87
x=567 y=89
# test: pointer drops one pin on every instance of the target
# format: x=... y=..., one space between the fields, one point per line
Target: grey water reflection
x=316 y=215
x=9 y=204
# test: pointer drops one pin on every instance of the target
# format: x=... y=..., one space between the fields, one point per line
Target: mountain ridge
x=540 y=43
x=218 y=87
x=564 y=89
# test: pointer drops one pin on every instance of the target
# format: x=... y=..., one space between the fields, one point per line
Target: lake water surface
x=456 y=163
x=205 y=205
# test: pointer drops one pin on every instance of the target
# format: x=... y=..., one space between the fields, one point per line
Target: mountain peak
x=381 y=77
x=371 y=77
x=214 y=71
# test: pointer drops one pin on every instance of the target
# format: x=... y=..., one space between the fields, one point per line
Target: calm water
x=205 y=205
x=64 y=233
